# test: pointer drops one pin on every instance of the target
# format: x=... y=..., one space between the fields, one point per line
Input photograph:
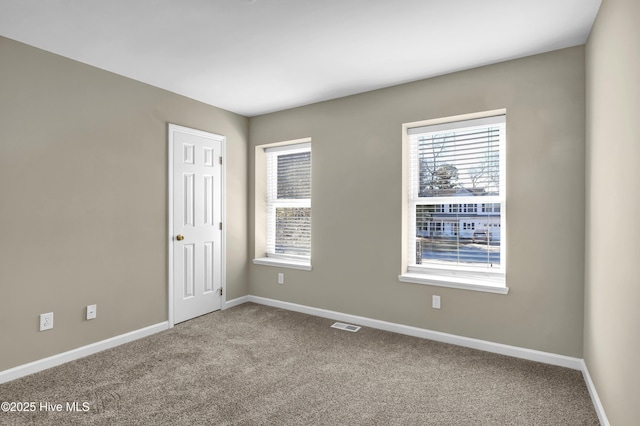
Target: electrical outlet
x=280 y=278
x=435 y=302
x=91 y=311
x=46 y=321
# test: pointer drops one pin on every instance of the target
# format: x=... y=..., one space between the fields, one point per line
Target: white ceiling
x=257 y=56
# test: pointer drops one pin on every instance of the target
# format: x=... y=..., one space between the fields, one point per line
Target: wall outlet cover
x=46 y=321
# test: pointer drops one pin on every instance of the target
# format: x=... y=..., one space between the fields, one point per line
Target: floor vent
x=348 y=327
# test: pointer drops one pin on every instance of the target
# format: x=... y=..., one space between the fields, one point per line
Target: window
x=491 y=208
x=287 y=216
x=456 y=177
x=470 y=208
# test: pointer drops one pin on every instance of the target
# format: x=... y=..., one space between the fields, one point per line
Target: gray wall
x=83 y=204
x=357 y=199
x=612 y=291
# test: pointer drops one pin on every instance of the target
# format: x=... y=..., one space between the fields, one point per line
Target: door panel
x=197 y=218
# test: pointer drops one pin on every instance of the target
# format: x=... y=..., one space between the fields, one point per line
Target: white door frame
x=223 y=206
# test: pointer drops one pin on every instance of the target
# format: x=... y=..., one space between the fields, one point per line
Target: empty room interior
x=103 y=104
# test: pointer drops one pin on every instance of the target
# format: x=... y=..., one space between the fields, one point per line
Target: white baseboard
x=483 y=345
x=604 y=421
x=235 y=302
x=52 y=361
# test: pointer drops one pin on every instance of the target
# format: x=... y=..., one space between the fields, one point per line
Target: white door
x=196 y=223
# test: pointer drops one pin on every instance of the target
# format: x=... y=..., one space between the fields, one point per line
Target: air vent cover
x=348 y=327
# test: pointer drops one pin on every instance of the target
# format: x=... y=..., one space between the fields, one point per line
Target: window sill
x=283 y=263
x=462 y=283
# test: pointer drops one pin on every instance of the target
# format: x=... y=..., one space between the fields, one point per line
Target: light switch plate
x=435 y=302
x=91 y=311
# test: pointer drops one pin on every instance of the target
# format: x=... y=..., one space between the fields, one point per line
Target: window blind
x=289 y=201
x=457 y=192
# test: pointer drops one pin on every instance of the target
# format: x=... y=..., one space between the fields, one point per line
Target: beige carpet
x=256 y=365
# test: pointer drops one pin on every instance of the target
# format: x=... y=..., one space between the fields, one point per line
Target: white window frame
x=492 y=280
x=271 y=258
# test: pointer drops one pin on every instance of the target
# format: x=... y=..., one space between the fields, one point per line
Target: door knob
x=179 y=237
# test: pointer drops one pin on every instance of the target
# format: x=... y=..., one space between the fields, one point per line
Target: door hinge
x=220 y=291
x=221 y=226
x=221 y=160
